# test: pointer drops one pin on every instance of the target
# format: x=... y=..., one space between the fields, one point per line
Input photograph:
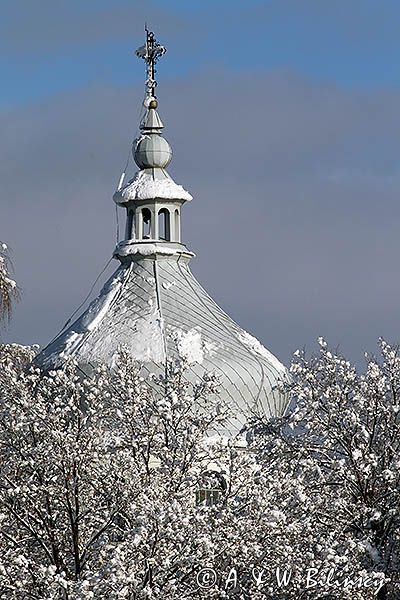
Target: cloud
x=295 y=218
x=29 y=31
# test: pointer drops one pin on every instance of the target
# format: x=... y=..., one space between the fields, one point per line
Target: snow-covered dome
x=154 y=307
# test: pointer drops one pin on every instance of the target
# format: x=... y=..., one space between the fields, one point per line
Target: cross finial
x=150 y=52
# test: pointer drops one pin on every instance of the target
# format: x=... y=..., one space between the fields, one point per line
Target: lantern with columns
x=152 y=199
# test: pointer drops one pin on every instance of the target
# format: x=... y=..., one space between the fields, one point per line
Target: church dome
x=155 y=308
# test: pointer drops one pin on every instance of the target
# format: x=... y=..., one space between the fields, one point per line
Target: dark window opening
x=130 y=226
x=208 y=497
x=212 y=489
x=164 y=225
x=146 y=232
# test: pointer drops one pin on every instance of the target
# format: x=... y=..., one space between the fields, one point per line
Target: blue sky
x=51 y=47
x=284 y=120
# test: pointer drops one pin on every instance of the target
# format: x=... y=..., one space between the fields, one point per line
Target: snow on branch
x=122 y=487
x=9 y=292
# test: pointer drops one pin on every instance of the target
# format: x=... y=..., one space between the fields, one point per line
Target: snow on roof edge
x=144 y=186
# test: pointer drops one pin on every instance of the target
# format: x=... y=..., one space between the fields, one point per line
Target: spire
x=151 y=150
x=152 y=198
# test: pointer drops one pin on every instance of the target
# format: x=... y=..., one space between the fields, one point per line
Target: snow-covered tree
x=8 y=287
x=99 y=479
x=340 y=447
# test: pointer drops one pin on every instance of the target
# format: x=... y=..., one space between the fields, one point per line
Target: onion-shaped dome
x=152 y=151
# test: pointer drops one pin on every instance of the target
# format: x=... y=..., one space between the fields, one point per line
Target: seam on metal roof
x=157 y=288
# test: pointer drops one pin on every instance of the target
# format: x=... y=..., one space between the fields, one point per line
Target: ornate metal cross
x=150 y=52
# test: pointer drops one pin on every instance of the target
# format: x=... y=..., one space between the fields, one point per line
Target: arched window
x=212 y=489
x=146 y=232
x=130 y=225
x=177 y=229
x=164 y=224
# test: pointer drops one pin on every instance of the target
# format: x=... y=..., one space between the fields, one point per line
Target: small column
x=154 y=223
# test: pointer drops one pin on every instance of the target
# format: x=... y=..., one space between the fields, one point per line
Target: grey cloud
x=31 y=29
x=295 y=218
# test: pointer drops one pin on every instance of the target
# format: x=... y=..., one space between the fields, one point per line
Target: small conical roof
x=152 y=120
